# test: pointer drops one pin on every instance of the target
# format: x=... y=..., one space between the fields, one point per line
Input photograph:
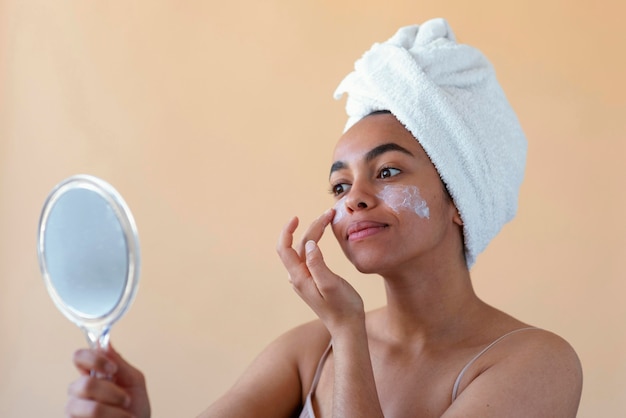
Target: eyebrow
x=372 y=154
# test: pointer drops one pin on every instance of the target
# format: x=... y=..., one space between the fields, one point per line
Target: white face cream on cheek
x=340 y=210
x=404 y=198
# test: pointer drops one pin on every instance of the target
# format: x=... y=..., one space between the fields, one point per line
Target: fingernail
x=309 y=246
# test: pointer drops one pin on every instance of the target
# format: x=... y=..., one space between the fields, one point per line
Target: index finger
x=287 y=254
x=315 y=231
x=88 y=360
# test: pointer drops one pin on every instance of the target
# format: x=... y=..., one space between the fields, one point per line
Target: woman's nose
x=360 y=197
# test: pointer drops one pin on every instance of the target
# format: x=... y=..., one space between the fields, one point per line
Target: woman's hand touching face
x=332 y=298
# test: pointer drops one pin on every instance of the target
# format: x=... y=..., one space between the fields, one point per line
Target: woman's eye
x=388 y=172
x=339 y=188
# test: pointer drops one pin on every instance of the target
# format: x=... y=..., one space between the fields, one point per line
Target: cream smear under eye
x=404 y=198
x=396 y=197
x=340 y=210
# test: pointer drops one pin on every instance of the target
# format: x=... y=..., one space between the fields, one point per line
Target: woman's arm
x=341 y=310
x=273 y=384
x=270 y=387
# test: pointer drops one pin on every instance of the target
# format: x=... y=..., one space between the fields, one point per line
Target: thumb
x=316 y=265
x=313 y=254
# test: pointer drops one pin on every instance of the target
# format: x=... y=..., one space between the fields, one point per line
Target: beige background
x=216 y=122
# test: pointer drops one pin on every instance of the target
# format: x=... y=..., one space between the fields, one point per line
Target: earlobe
x=457 y=217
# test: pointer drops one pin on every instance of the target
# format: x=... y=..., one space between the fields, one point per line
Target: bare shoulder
x=299 y=347
x=310 y=334
x=548 y=368
x=543 y=350
x=546 y=342
x=305 y=345
x=275 y=383
x=532 y=372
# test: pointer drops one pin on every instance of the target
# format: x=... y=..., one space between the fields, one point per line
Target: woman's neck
x=429 y=303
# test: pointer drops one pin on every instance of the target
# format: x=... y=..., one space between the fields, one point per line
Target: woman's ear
x=457 y=217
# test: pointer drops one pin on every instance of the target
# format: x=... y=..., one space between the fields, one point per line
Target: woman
x=425 y=175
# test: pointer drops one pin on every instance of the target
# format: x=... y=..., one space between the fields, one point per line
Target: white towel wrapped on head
x=446 y=94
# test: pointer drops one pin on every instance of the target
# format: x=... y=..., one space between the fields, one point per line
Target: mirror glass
x=88 y=252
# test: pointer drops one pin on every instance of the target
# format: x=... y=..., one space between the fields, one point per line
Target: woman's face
x=391 y=207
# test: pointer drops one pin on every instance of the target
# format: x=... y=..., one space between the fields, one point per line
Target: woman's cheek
x=404 y=198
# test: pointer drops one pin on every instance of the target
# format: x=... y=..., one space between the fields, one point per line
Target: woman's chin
x=367 y=265
x=370 y=260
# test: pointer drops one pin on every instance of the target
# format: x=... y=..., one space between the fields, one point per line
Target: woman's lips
x=363 y=229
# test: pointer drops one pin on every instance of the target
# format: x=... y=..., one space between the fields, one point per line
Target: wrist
x=348 y=330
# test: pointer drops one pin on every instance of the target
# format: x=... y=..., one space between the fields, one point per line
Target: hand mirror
x=89 y=254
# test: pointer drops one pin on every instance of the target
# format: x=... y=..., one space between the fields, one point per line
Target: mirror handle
x=98 y=339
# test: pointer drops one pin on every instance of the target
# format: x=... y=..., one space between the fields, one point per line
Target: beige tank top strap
x=457 y=382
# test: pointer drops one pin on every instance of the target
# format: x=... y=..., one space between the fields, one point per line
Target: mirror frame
x=95 y=327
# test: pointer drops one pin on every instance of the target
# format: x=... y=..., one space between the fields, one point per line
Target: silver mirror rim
x=129 y=229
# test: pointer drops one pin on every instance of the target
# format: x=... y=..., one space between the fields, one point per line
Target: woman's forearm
x=355 y=393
